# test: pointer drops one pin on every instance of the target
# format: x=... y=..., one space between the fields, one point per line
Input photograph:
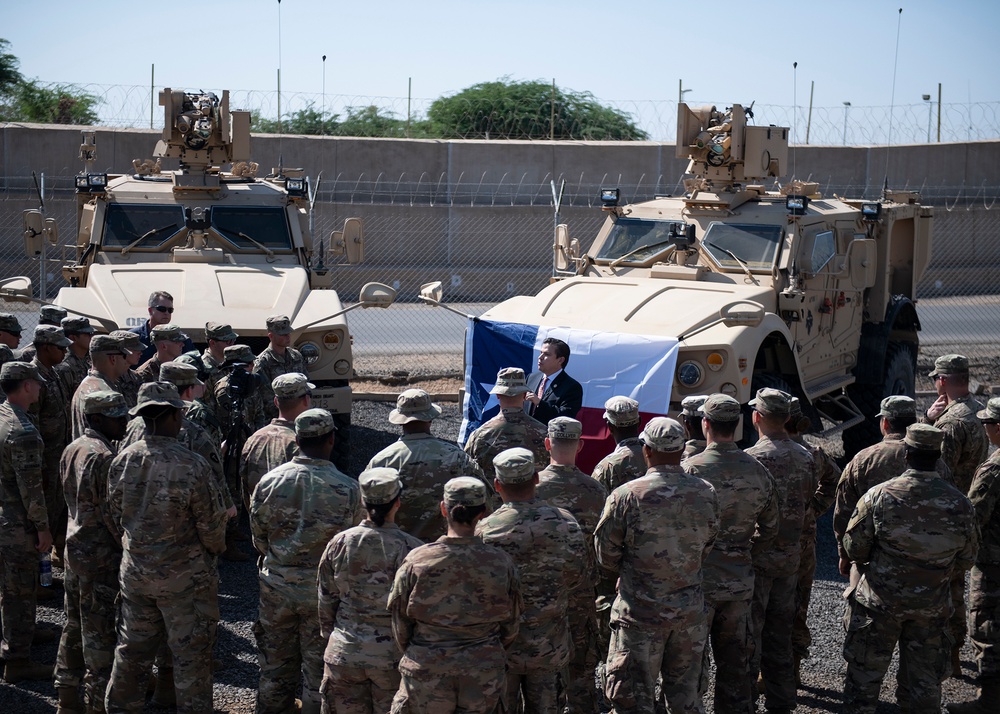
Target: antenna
x=795 y=112
x=281 y=131
x=892 y=101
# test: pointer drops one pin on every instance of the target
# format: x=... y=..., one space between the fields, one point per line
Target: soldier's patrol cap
x=691 y=405
x=950 y=364
x=180 y=374
x=510 y=382
x=772 y=402
x=51 y=314
x=238 y=353
x=77 y=326
x=105 y=402
x=794 y=407
x=6 y=354
x=663 y=434
x=167 y=333
x=924 y=436
x=108 y=344
x=129 y=339
x=220 y=331
x=414 y=405
x=193 y=358
x=51 y=335
x=991 y=414
x=896 y=406
x=379 y=486
x=279 y=324
x=565 y=428
x=465 y=491
x=157 y=394
x=314 y=422
x=721 y=407
x=621 y=411
x=291 y=385
x=20 y=371
x=9 y=323
x=515 y=465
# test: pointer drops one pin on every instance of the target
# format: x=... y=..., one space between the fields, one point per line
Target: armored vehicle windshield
x=150 y=227
x=637 y=240
x=754 y=245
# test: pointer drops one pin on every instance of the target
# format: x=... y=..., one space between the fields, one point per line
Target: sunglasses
x=164 y=308
x=938 y=377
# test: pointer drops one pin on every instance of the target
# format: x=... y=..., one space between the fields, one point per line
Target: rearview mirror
x=350 y=241
x=34 y=231
x=51 y=231
x=565 y=250
x=432 y=292
x=376 y=295
x=15 y=289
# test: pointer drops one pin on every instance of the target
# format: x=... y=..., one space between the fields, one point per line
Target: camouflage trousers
x=984 y=618
x=581 y=692
x=730 y=634
x=18 y=580
x=638 y=654
x=357 y=690
x=924 y=660
x=772 y=613
x=288 y=643
x=145 y=621
x=801 y=637
x=87 y=646
x=472 y=683
x=534 y=692
x=956 y=623
x=55 y=499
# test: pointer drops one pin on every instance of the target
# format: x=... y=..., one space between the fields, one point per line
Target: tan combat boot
x=24 y=670
x=69 y=701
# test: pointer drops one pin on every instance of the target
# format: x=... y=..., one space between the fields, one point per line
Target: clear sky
x=619 y=51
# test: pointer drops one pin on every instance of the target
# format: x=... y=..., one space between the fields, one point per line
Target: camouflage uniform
x=776 y=568
x=693 y=447
x=211 y=364
x=72 y=371
x=965 y=443
x=511 y=427
x=425 y=463
x=51 y=417
x=222 y=406
x=268 y=365
x=149 y=371
x=655 y=533
x=22 y=516
x=567 y=487
x=295 y=511
x=93 y=382
x=264 y=451
x=622 y=465
x=455 y=606
x=911 y=534
x=198 y=413
x=128 y=386
x=748 y=507
x=172 y=519
x=984 y=588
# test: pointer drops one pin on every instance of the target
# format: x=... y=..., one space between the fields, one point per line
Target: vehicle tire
x=760 y=380
x=342 y=442
x=898 y=378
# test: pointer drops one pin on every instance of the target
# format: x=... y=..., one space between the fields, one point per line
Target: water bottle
x=45 y=570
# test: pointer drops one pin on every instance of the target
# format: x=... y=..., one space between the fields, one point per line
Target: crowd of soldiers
x=498 y=577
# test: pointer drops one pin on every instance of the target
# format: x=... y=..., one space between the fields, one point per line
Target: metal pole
x=930 y=105
x=939 y=114
x=847 y=106
x=809 y=121
x=323 y=115
x=152 y=85
x=42 y=259
x=552 y=117
x=409 y=99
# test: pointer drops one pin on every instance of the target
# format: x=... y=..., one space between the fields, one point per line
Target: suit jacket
x=563 y=397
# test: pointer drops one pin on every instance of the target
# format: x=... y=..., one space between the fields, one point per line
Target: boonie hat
x=291 y=385
x=414 y=405
x=515 y=465
x=691 y=405
x=20 y=370
x=379 y=486
x=991 y=414
x=9 y=323
x=130 y=340
x=51 y=314
x=179 y=374
x=314 y=422
x=106 y=344
x=897 y=405
x=220 y=331
x=279 y=324
x=167 y=333
x=721 y=407
x=772 y=402
x=565 y=428
x=77 y=325
x=106 y=402
x=157 y=394
x=51 y=335
x=510 y=382
x=621 y=411
x=238 y=353
x=950 y=364
x=465 y=491
x=663 y=434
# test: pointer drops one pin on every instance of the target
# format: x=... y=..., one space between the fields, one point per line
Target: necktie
x=541 y=387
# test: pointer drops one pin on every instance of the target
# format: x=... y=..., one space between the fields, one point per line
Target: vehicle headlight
x=310 y=353
x=690 y=374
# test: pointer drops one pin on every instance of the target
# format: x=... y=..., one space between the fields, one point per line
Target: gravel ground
x=235 y=686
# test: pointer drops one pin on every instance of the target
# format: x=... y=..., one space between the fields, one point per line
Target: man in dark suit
x=553 y=392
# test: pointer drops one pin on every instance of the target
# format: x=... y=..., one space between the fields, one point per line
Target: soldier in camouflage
x=24 y=523
x=129 y=383
x=169 y=341
x=563 y=485
x=221 y=401
x=77 y=363
x=93 y=556
x=908 y=536
x=748 y=507
x=511 y=427
x=172 y=519
x=198 y=410
x=776 y=567
x=625 y=463
x=984 y=584
x=219 y=336
x=47 y=315
x=425 y=463
x=655 y=533
x=295 y=511
x=10 y=331
x=108 y=356
x=454 y=647
x=276 y=359
x=355 y=578
x=691 y=419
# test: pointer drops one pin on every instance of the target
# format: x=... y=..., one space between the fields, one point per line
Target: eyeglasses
x=164 y=308
x=939 y=377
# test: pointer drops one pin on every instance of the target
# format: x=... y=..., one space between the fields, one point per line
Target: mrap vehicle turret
x=777 y=287
x=229 y=246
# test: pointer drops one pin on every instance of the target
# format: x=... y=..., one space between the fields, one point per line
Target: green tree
x=304 y=121
x=505 y=109
x=367 y=121
x=53 y=104
x=9 y=76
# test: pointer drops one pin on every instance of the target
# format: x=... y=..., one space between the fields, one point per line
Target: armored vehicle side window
x=824 y=248
x=645 y=238
x=242 y=225
x=755 y=245
x=150 y=225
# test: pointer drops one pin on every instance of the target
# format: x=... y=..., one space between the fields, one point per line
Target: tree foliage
x=33 y=101
x=9 y=75
x=360 y=121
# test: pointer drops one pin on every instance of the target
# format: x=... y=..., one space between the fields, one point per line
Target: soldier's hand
x=231 y=513
x=937 y=407
x=845 y=567
x=44 y=541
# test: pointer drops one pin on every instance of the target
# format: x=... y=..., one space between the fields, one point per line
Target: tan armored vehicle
x=780 y=288
x=229 y=246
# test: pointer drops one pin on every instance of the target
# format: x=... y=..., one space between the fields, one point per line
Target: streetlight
x=847 y=106
x=927 y=98
x=681 y=91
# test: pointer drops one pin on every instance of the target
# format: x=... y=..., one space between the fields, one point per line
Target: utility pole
x=847 y=107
